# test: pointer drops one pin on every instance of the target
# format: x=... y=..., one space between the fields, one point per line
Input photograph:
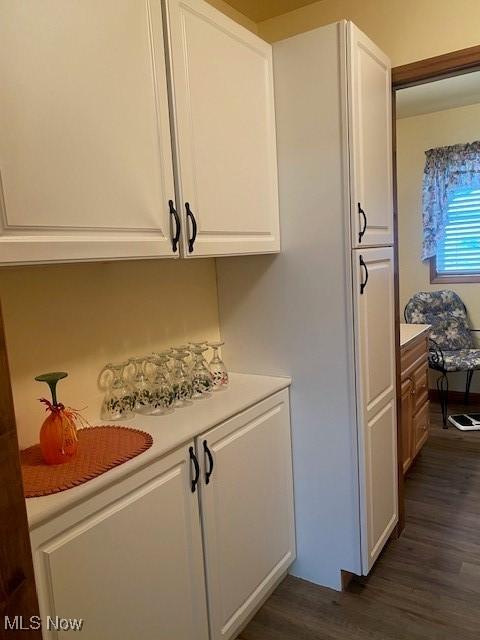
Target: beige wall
x=78 y=317
x=414 y=136
x=406 y=30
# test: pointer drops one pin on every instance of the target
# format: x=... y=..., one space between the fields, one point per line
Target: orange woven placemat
x=99 y=449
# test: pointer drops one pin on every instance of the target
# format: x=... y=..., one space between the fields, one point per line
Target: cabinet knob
x=361 y=233
x=191 y=241
x=208 y=453
x=176 y=237
x=364 y=283
x=196 y=467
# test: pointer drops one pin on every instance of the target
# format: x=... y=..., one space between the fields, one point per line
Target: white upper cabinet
x=85 y=150
x=225 y=123
x=369 y=88
x=91 y=124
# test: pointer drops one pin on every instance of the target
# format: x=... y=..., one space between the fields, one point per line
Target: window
x=458 y=253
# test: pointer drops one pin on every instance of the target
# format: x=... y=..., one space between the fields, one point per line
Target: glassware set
x=158 y=383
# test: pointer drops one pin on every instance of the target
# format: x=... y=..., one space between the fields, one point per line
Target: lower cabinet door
x=247 y=511
x=421 y=423
x=135 y=568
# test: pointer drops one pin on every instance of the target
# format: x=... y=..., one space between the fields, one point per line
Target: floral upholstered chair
x=451 y=343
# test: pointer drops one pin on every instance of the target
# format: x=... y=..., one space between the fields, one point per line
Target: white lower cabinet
x=134 y=568
x=130 y=561
x=247 y=511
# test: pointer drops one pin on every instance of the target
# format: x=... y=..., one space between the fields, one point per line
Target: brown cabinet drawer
x=406 y=423
x=420 y=381
x=418 y=349
x=421 y=424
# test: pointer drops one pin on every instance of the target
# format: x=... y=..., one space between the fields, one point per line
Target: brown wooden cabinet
x=414 y=418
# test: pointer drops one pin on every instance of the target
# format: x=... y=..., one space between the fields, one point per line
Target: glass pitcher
x=117 y=404
x=163 y=397
x=217 y=367
x=140 y=385
x=202 y=380
x=182 y=385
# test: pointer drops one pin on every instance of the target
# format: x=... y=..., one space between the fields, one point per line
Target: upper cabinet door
x=370 y=142
x=85 y=151
x=226 y=148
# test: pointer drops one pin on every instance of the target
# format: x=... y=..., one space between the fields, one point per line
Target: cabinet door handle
x=196 y=466
x=191 y=241
x=361 y=233
x=364 y=283
x=208 y=453
x=176 y=237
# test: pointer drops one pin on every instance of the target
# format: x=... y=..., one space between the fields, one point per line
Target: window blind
x=459 y=251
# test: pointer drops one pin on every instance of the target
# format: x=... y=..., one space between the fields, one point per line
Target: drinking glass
x=117 y=403
x=202 y=381
x=182 y=385
x=217 y=367
x=141 y=386
x=163 y=396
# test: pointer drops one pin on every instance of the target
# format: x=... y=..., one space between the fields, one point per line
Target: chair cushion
x=445 y=311
x=461 y=360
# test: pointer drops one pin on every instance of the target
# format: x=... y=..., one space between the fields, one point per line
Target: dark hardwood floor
x=426 y=584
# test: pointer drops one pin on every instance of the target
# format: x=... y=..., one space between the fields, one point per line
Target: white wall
x=414 y=136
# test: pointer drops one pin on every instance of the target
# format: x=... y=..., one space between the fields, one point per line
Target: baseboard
x=454 y=396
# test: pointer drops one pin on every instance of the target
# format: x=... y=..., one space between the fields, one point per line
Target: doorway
x=436 y=126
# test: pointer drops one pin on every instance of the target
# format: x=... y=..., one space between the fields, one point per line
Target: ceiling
x=258 y=10
x=440 y=95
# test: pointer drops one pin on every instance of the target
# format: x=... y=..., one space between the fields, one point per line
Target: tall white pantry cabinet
x=323 y=310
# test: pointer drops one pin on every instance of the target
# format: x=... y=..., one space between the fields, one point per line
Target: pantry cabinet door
x=370 y=114
x=134 y=569
x=375 y=374
x=225 y=125
x=247 y=511
x=85 y=151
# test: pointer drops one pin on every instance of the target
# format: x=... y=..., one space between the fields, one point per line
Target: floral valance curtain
x=447 y=169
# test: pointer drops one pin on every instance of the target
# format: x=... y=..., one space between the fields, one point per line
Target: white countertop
x=409 y=332
x=168 y=432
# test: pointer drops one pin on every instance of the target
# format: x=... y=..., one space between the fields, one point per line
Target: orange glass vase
x=58 y=435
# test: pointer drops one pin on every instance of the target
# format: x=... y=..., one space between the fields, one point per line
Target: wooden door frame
x=18 y=595
x=408 y=75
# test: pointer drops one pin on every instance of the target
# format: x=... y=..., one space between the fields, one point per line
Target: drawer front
x=421 y=424
x=413 y=352
x=420 y=380
x=406 y=423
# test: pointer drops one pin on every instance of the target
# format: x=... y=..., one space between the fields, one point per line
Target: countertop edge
x=422 y=328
